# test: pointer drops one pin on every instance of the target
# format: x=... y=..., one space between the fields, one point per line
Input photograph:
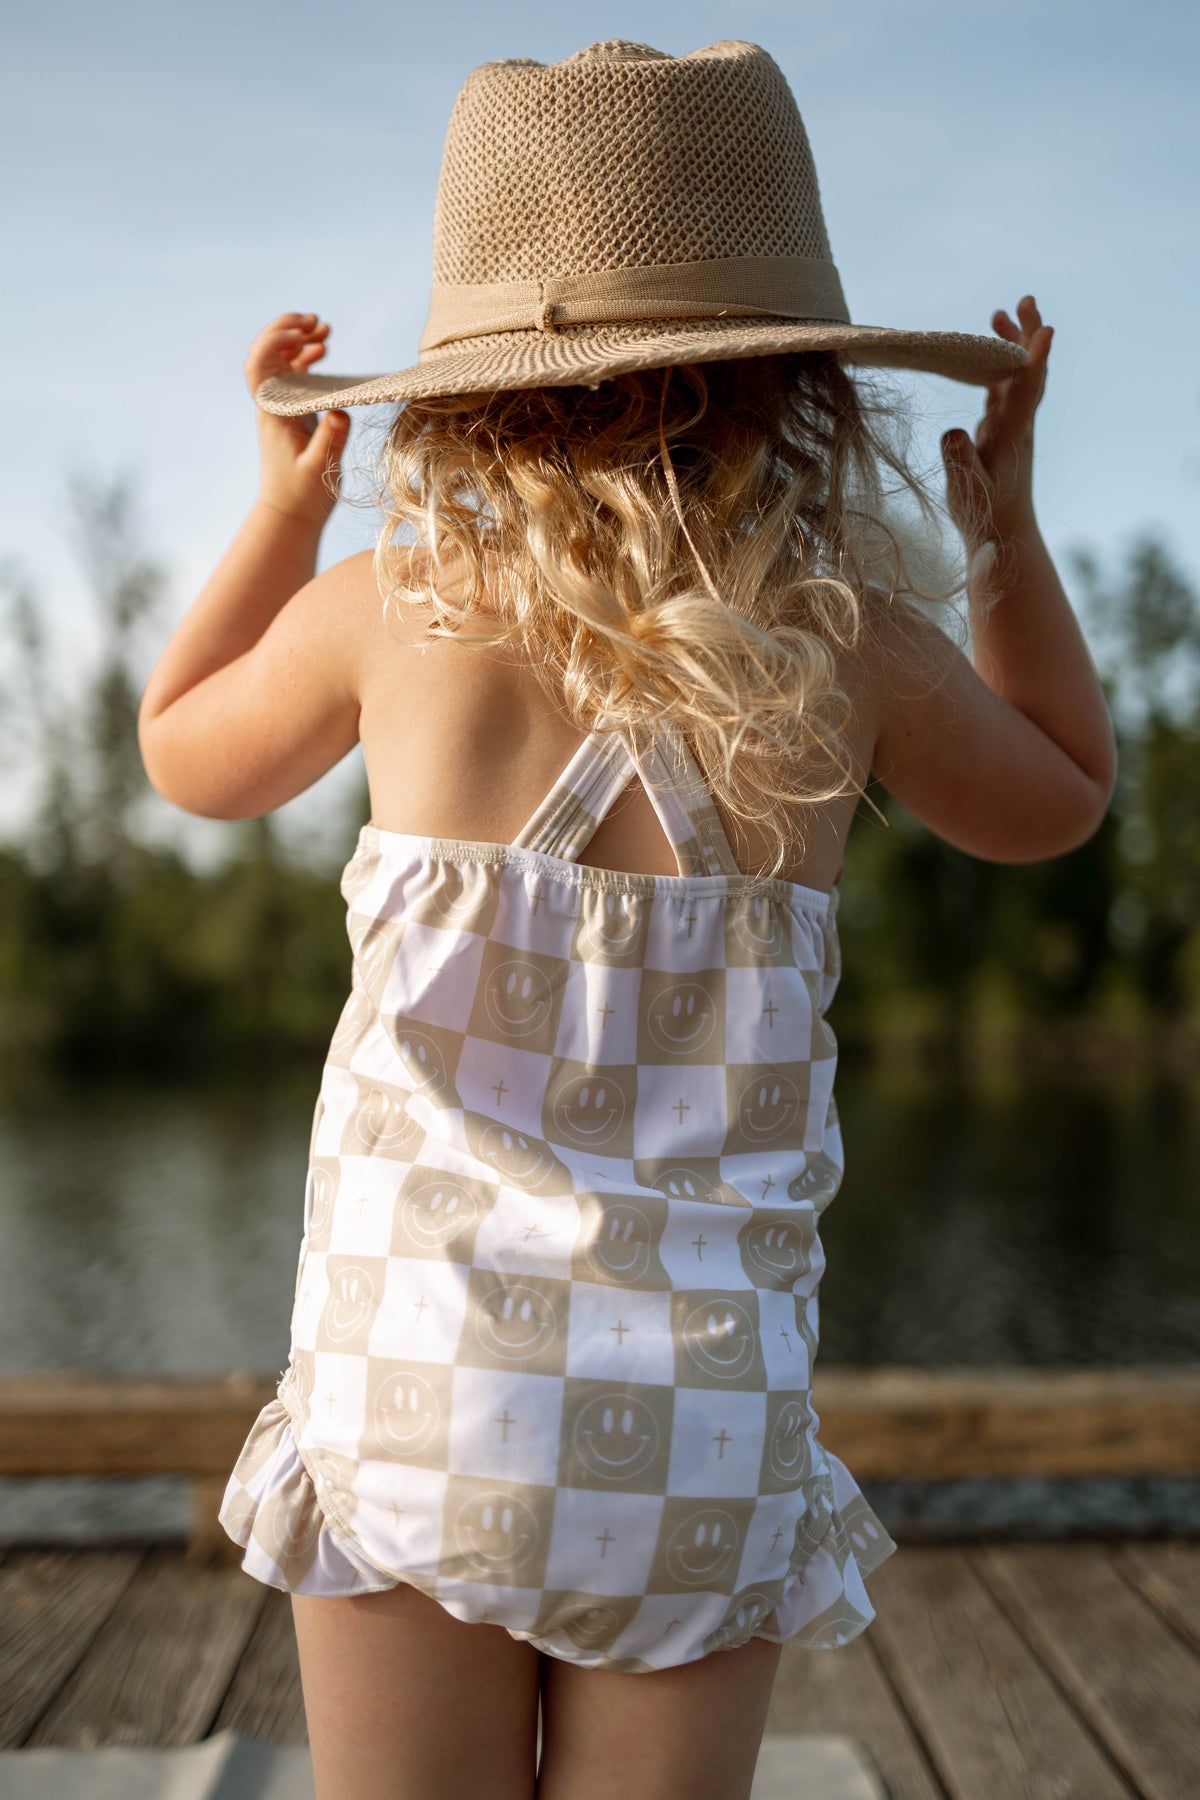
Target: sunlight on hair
x=701 y=544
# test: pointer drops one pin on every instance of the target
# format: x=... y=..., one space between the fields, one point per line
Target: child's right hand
x=989 y=483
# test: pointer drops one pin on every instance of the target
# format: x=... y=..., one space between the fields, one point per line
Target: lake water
x=1000 y=1221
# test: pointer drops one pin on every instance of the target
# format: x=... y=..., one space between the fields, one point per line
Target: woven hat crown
x=623 y=156
x=622 y=183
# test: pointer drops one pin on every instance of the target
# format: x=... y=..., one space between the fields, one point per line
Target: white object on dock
x=229 y=1767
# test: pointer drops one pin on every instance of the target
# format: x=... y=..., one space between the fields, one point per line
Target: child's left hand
x=300 y=458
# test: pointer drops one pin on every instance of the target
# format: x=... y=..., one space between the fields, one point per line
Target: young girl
x=546 y=1433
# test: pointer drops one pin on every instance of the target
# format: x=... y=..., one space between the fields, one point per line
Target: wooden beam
x=927 y=1424
x=934 y=1424
x=109 y=1425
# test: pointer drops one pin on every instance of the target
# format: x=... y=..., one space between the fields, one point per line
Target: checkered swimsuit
x=556 y=1307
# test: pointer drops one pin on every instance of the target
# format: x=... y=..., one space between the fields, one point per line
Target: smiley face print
x=515 y=1321
x=407 y=1415
x=425 y=1057
x=775 y=1248
x=355 y=1285
x=381 y=1125
x=787 y=1456
x=818 y=1181
x=681 y=1021
x=439 y=1214
x=287 y=1525
x=461 y=895
x=767 y=1110
x=698 y=1180
x=699 y=1545
x=611 y=927
x=521 y=1161
x=519 y=999
x=497 y=1534
x=748 y=1612
x=716 y=1337
x=619 y=1238
x=616 y=1436
x=591 y=1621
x=588 y=1108
x=757 y=932
x=321 y=1186
x=373 y=946
x=594 y=1627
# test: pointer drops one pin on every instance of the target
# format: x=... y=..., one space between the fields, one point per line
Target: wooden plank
x=914 y=1423
x=82 y=1425
x=846 y=1692
x=1129 y=1674
x=938 y=1423
x=265 y=1698
x=994 y=1723
x=1168 y=1574
x=162 y=1663
x=52 y=1604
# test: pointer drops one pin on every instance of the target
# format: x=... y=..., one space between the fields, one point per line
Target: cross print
x=770 y=1009
x=670 y=1623
x=535 y=902
x=362 y=1201
x=306 y=1292
x=681 y=1106
x=532 y=1231
x=604 y=1539
x=499 y=1089
x=700 y=1242
x=722 y=1438
x=786 y=1338
x=689 y=919
x=331 y=1401
x=504 y=1422
x=620 y=1330
x=420 y=1306
x=768 y=1184
x=397 y=1510
x=776 y=1538
x=605 y=1010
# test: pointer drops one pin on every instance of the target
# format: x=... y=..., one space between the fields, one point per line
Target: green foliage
x=116 y=955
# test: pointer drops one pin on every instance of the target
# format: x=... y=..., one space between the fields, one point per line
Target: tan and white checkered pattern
x=556 y=1306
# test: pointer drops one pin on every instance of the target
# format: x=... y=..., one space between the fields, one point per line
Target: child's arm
x=1012 y=759
x=255 y=696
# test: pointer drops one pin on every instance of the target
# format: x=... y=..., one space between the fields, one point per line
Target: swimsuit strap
x=599 y=771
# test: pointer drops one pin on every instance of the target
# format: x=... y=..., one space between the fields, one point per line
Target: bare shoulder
x=354 y=591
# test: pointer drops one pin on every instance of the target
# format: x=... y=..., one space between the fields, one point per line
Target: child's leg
x=405 y=1702
x=691 y=1731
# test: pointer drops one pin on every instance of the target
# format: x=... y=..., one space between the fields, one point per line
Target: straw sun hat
x=624 y=209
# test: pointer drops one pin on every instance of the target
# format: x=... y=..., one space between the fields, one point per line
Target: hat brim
x=585 y=355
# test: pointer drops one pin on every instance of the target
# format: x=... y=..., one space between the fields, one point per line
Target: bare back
x=461 y=741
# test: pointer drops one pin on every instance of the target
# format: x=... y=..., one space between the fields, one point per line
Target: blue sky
x=190 y=171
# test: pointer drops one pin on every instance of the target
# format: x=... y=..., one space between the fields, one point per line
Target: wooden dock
x=995 y=1670
x=991 y=1672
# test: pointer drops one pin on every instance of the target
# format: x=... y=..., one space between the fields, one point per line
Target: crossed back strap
x=600 y=769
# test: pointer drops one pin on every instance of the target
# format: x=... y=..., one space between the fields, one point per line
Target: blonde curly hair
x=691 y=544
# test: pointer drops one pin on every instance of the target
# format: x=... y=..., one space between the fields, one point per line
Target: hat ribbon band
x=794 y=287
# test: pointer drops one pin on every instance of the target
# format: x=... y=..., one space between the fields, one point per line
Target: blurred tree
x=127 y=587
x=116 y=954
x=1149 y=639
